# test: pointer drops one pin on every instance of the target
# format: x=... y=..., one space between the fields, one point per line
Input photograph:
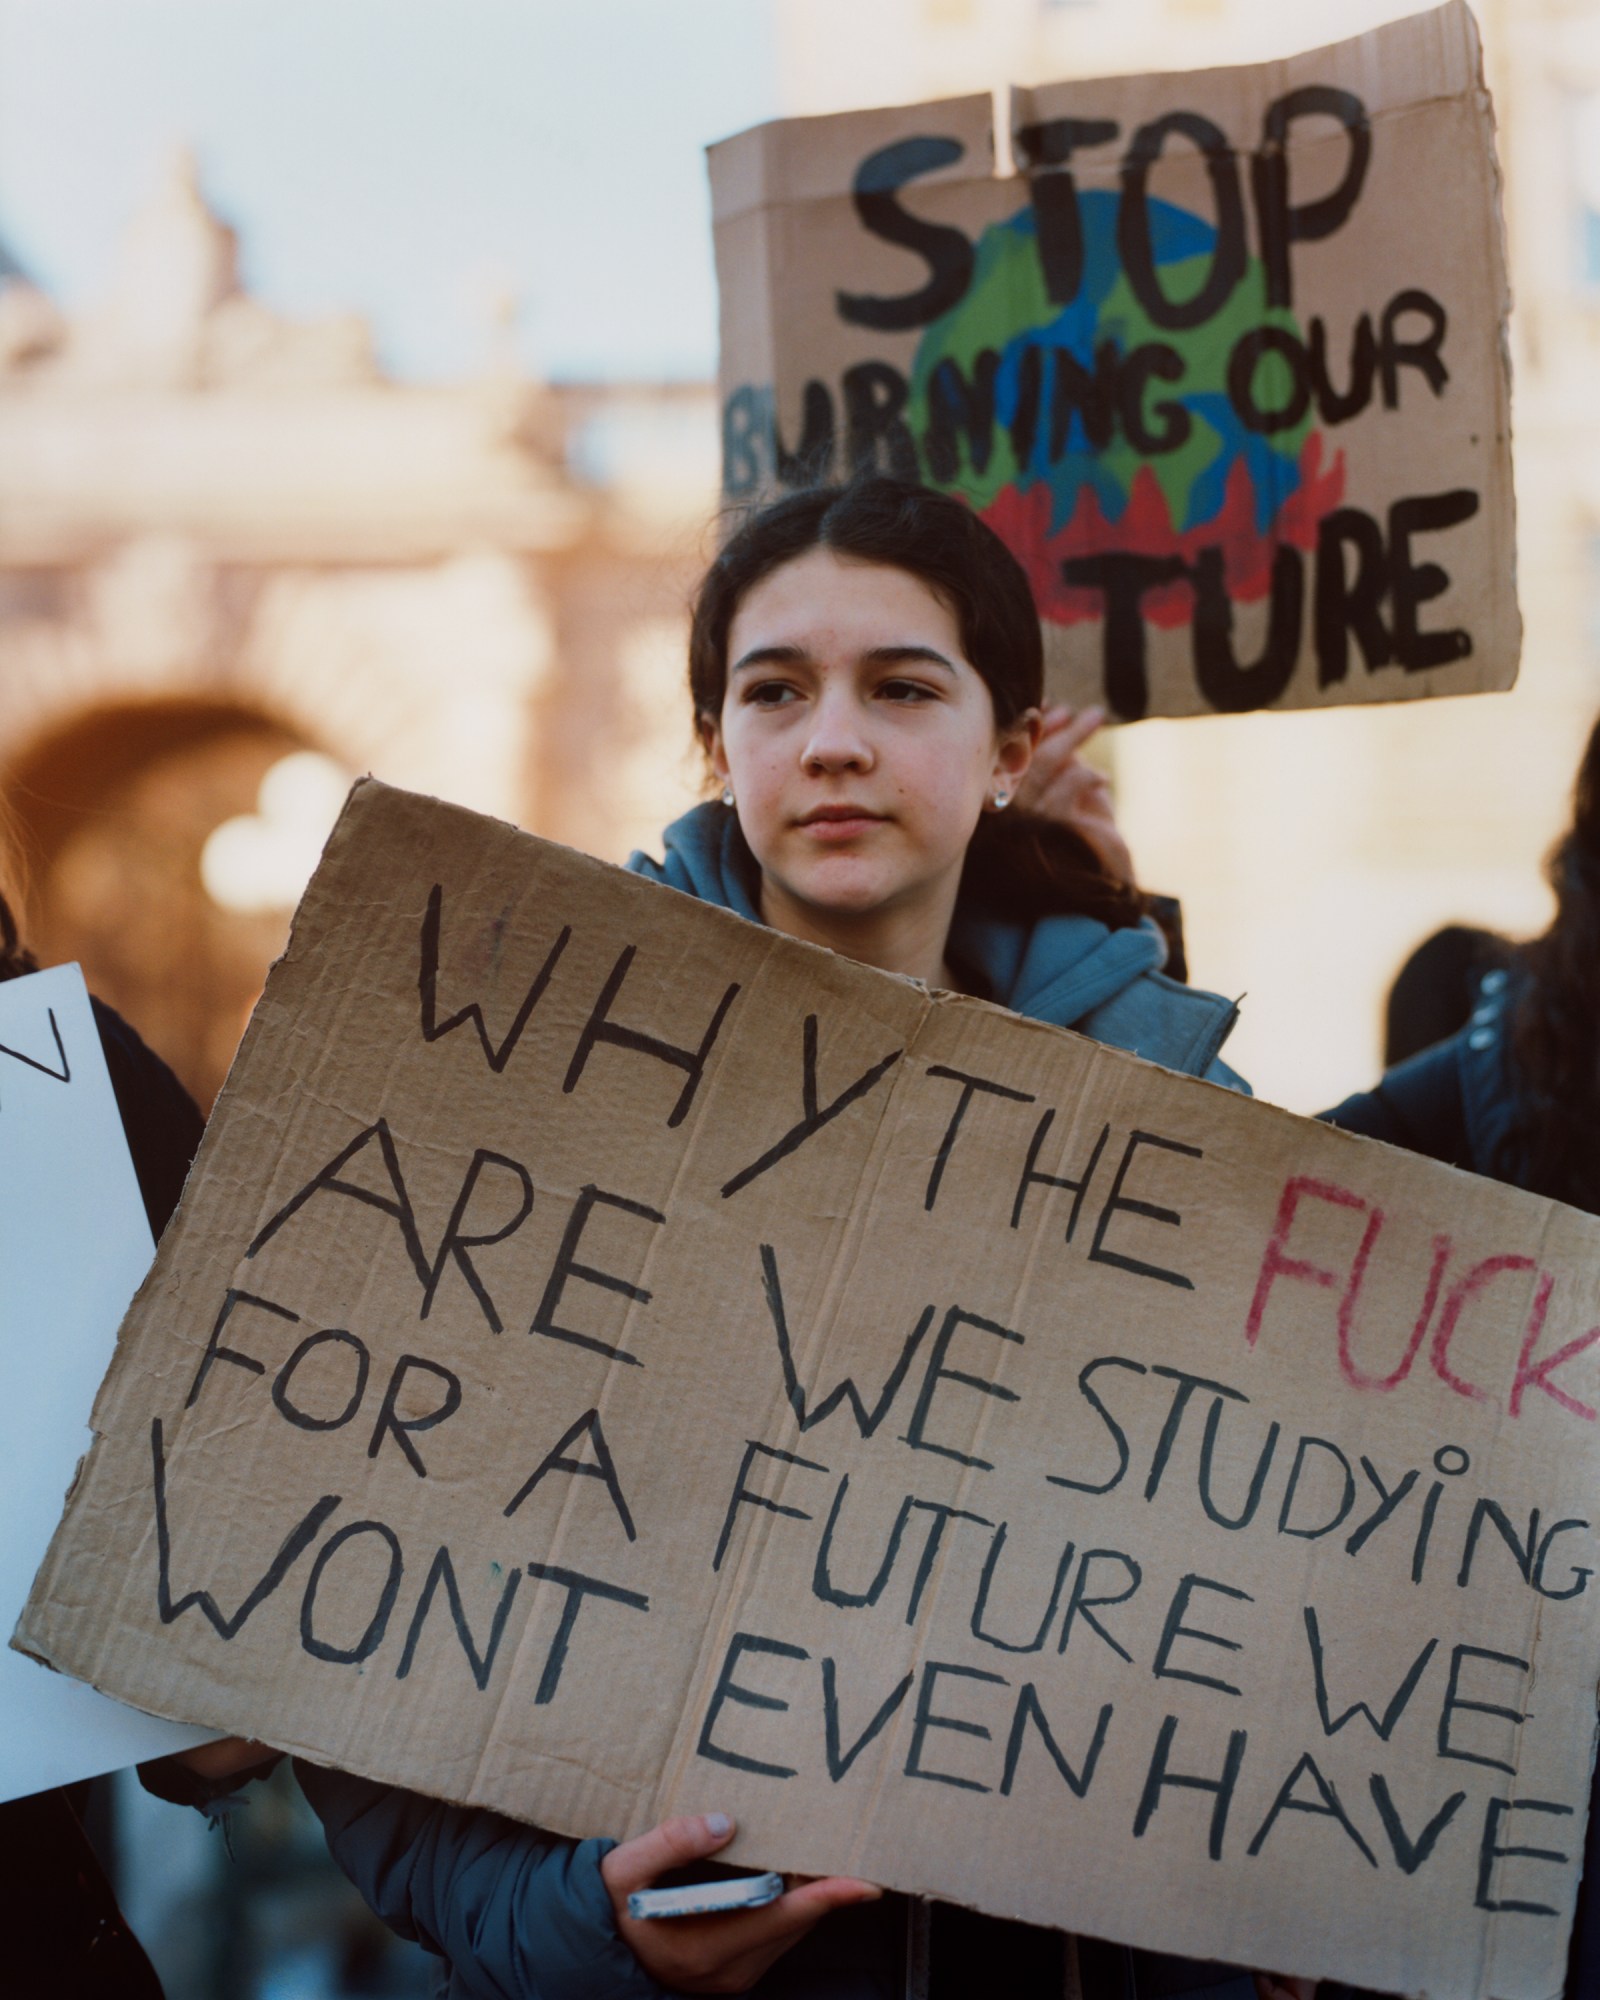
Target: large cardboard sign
x=614 y=1361
x=74 y=1244
x=1223 y=360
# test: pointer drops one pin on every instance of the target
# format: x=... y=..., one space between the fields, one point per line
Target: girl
x=866 y=668
x=866 y=672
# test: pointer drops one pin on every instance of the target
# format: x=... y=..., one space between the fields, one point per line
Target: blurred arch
x=111 y=809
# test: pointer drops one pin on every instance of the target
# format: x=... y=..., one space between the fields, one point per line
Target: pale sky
x=405 y=158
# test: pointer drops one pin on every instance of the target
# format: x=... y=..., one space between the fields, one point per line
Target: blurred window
x=1586 y=183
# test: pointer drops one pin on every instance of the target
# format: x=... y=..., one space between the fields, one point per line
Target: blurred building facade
x=1312 y=850
x=226 y=540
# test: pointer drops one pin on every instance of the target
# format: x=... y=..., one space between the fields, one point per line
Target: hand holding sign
x=727 y=1952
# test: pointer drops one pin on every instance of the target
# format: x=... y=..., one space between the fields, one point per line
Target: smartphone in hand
x=699 y=1899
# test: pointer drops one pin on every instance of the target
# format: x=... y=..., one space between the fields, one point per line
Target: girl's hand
x=715 y=1954
x=1061 y=786
x=222 y=1758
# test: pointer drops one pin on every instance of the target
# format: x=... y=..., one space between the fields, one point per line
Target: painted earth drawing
x=1212 y=482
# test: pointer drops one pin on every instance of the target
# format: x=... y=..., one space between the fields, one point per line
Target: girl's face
x=860 y=744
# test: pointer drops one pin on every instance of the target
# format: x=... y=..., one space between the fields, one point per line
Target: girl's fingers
x=779 y=1924
x=814 y=1899
x=726 y=1953
x=635 y=1864
x=748 y=1941
x=1094 y=802
x=1067 y=729
x=222 y=1758
x=1062 y=794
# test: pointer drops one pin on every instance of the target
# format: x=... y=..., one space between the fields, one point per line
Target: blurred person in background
x=1438 y=987
x=64 y=1937
x=1514 y=1094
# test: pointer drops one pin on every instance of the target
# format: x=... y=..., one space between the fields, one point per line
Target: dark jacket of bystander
x=1458 y=1102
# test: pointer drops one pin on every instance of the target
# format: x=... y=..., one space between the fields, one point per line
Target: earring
x=1002 y=798
x=727 y=795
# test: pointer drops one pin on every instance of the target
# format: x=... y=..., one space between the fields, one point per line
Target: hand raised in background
x=1061 y=785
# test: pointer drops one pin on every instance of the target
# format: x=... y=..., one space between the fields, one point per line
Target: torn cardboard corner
x=1242 y=418
x=614 y=1361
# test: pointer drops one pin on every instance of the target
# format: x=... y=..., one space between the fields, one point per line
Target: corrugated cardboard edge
x=798 y=159
x=793 y=159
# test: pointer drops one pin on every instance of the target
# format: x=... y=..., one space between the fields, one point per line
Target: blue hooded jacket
x=1069 y=970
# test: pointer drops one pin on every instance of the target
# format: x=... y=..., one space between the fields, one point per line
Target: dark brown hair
x=1556 y=1027
x=1017 y=865
x=15 y=958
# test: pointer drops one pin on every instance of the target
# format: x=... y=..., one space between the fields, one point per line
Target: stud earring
x=727 y=795
x=1002 y=798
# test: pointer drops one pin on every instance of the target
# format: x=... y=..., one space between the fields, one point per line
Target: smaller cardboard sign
x=74 y=1244
x=1222 y=361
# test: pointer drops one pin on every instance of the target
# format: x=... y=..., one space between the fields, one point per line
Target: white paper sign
x=74 y=1244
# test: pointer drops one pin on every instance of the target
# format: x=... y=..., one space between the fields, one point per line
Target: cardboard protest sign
x=74 y=1244
x=1223 y=361
x=613 y=1360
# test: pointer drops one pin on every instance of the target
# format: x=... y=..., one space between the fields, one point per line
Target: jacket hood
x=1057 y=968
